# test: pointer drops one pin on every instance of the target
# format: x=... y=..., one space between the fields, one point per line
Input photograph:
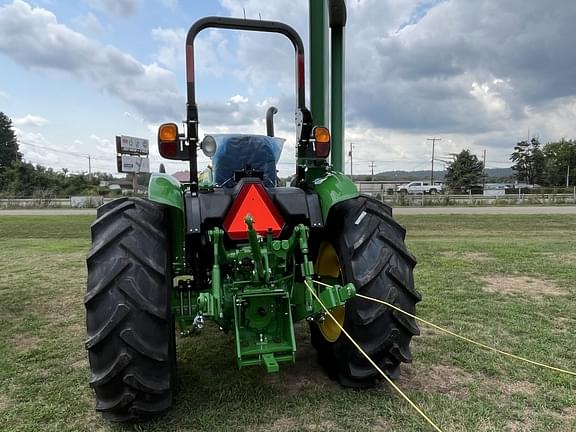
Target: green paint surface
x=332 y=188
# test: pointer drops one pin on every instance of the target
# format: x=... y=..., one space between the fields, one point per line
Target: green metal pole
x=319 y=61
x=338 y=17
x=337 y=97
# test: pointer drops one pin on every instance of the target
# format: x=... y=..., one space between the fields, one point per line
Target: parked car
x=421 y=187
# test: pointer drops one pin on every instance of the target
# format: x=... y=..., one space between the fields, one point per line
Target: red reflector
x=168 y=148
x=322 y=149
x=253 y=200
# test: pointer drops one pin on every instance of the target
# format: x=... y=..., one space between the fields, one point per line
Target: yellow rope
x=463 y=337
x=370 y=360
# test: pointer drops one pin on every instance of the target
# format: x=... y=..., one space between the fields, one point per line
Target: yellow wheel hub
x=327 y=265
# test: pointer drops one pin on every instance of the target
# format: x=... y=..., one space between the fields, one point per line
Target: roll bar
x=233 y=24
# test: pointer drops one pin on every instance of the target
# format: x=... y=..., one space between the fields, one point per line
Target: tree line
x=553 y=165
x=19 y=178
x=550 y=165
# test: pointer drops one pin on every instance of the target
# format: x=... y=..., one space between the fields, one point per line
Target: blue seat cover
x=237 y=152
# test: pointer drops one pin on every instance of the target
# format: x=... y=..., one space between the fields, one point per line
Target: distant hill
x=492 y=173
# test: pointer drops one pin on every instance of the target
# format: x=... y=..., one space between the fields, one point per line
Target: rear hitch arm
x=261 y=269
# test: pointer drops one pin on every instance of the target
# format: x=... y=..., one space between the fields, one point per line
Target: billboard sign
x=133 y=164
x=132 y=145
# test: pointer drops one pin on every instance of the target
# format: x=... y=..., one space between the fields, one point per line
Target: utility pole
x=568 y=176
x=432 y=170
x=351 y=163
x=484 y=170
x=372 y=164
x=89 y=167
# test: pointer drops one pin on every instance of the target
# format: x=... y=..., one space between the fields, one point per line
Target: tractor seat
x=245 y=152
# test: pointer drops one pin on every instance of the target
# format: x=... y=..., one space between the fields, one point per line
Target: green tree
x=8 y=148
x=24 y=179
x=464 y=172
x=528 y=160
x=560 y=160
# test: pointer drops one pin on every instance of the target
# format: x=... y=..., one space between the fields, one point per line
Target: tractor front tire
x=130 y=330
x=371 y=254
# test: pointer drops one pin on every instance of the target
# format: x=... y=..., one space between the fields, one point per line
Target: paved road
x=48 y=212
x=399 y=210
x=486 y=210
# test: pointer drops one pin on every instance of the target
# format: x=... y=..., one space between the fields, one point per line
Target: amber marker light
x=168 y=140
x=321 y=141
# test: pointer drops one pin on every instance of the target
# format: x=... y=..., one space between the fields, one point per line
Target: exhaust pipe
x=270 y=120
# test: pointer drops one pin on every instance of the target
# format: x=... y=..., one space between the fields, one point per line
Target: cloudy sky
x=478 y=74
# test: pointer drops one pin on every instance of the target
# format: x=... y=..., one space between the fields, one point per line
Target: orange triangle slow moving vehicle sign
x=254 y=200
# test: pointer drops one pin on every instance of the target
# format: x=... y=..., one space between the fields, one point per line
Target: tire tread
x=128 y=316
x=382 y=333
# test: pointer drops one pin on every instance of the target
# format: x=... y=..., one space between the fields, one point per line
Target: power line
x=69 y=153
x=53 y=149
x=96 y=168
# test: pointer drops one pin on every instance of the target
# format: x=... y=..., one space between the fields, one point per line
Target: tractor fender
x=165 y=189
x=332 y=188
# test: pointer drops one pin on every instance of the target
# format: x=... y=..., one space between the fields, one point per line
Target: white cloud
x=38 y=149
x=33 y=38
x=35 y=148
x=134 y=117
x=30 y=120
x=265 y=61
x=104 y=145
x=488 y=97
x=88 y=23
x=171 y=46
x=238 y=99
x=211 y=48
x=422 y=75
x=554 y=120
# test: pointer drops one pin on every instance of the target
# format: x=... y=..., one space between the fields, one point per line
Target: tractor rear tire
x=130 y=328
x=371 y=253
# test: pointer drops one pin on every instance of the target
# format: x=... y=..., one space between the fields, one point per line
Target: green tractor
x=241 y=251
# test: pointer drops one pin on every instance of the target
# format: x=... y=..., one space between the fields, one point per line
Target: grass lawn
x=506 y=280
